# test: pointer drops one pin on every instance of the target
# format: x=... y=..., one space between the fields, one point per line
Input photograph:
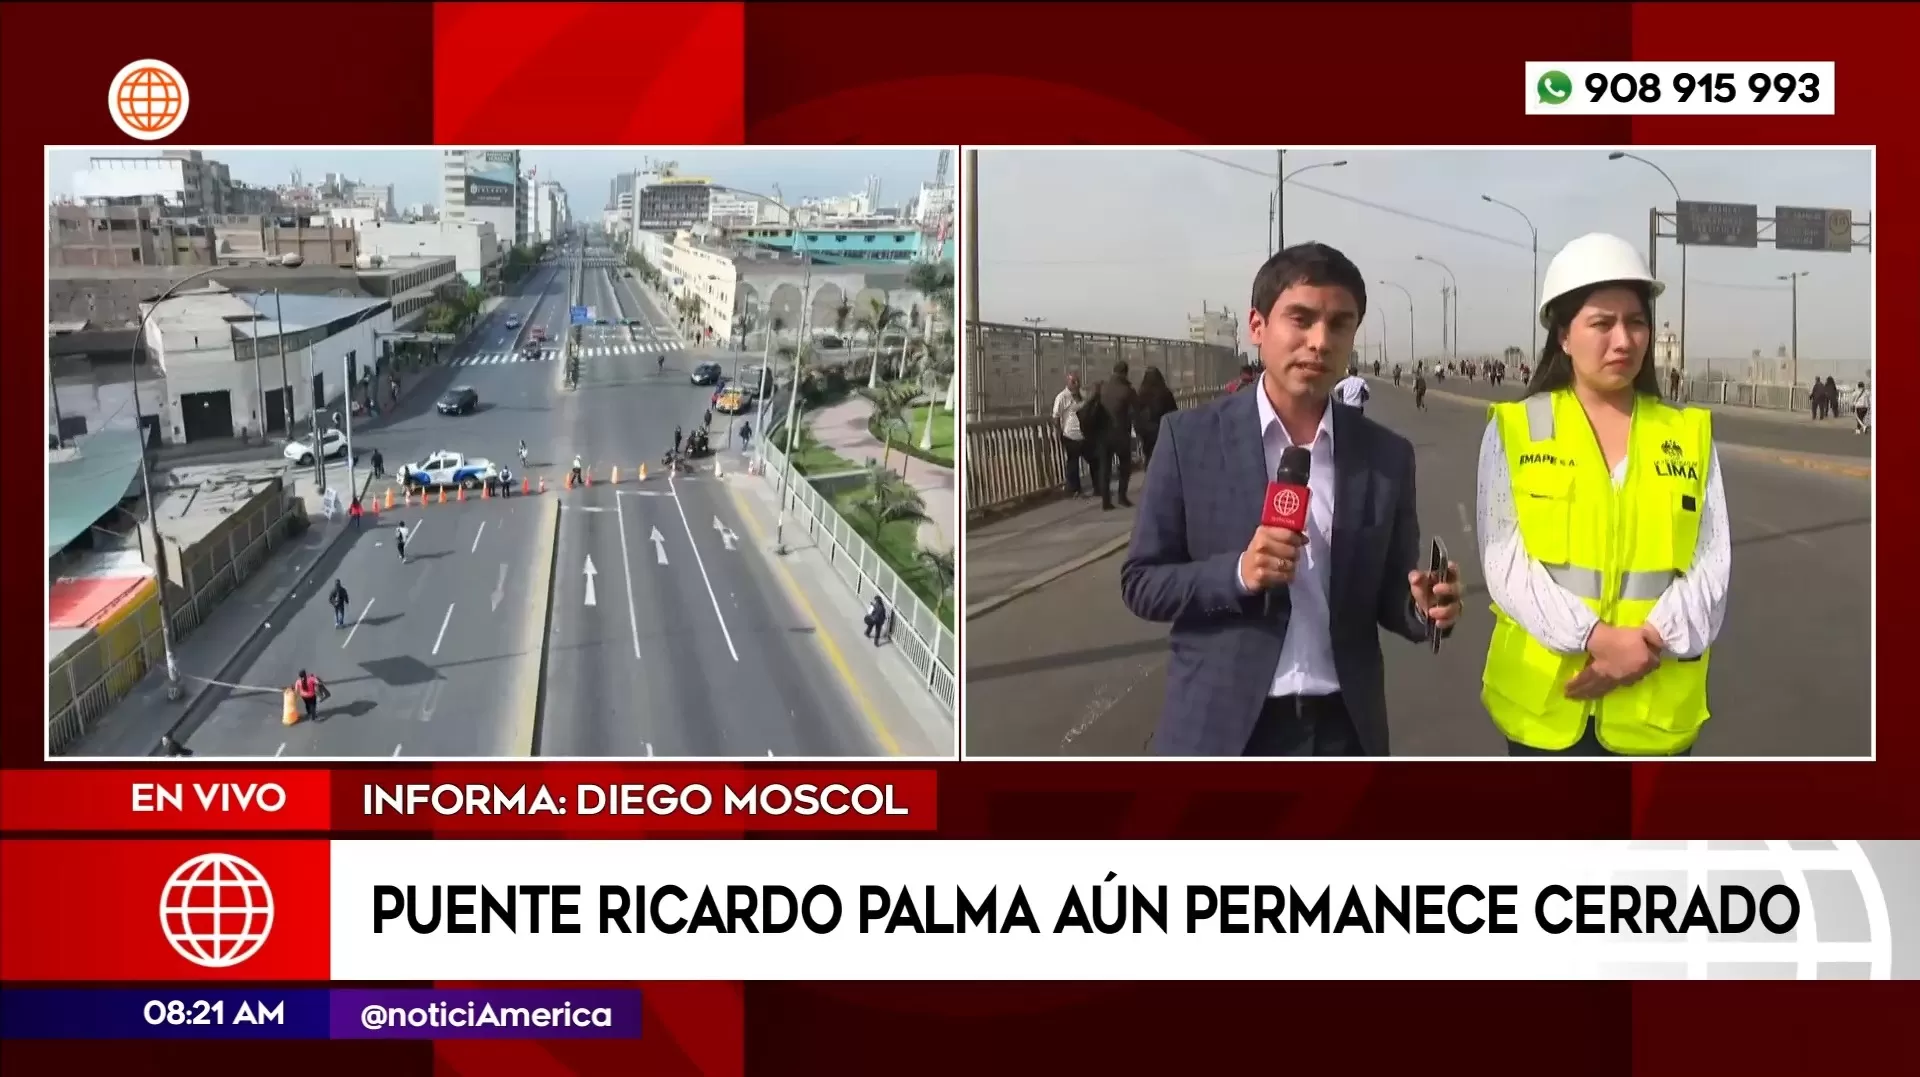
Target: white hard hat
x=1595 y=258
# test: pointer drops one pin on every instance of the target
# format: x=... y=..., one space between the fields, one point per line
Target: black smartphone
x=1437 y=565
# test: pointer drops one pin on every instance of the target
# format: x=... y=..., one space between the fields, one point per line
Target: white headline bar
x=1093 y=910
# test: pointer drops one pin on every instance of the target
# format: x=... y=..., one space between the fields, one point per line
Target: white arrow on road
x=590 y=575
x=726 y=536
x=659 y=545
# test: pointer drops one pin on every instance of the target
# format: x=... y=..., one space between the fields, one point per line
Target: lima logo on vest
x=1673 y=467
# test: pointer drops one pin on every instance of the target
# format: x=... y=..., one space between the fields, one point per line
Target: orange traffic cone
x=389 y=499
x=486 y=492
x=543 y=484
x=526 y=486
x=589 y=476
x=443 y=495
x=373 y=508
x=643 y=473
x=615 y=480
x=289 y=707
x=462 y=496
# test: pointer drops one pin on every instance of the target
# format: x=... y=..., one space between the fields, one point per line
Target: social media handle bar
x=1666 y=88
x=178 y=1012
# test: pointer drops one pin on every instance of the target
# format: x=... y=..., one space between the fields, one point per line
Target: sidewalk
x=889 y=696
x=1025 y=551
x=134 y=725
x=842 y=428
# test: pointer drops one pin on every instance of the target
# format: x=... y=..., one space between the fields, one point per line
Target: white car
x=333 y=442
x=450 y=469
x=513 y=321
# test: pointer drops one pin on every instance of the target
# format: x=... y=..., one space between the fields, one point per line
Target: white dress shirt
x=1688 y=614
x=1306 y=658
x=1352 y=391
x=1066 y=412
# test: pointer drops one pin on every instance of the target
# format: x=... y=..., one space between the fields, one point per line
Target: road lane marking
x=396 y=750
x=626 y=575
x=356 y=624
x=476 y=537
x=282 y=748
x=1466 y=522
x=659 y=546
x=499 y=591
x=649 y=749
x=727 y=537
x=444 y=621
x=834 y=657
x=700 y=561
x=591 y=600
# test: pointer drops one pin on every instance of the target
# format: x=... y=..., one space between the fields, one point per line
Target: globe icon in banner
x=216 y=910
x=148 y=100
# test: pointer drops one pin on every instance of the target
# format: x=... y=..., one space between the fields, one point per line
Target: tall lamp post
x=174 y=689
x=1652 y=244
x=1411 y=354
x=1533 y=309
x=1793 y=353
x=1453 y=349
x=1277 y=203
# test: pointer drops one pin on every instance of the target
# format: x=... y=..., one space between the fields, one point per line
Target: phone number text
x=1706 y=86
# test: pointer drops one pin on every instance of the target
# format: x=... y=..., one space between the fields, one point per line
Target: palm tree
x=892 y=404
x=880 y=317
x=935 y=280
x=887 y=499
x=940 y=565
x=840 y=315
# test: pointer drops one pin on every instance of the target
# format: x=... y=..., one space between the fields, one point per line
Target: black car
x=706 y=374
x=459 y=400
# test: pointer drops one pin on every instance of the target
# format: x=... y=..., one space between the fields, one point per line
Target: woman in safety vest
x=1602 y=527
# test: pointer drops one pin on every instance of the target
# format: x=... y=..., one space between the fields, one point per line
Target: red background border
x=1231 y=73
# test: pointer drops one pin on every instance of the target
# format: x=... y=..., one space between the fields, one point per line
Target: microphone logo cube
x=1286 y=503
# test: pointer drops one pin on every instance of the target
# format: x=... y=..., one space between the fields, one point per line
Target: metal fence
x=1748 y=383
x=927 y=644
x=1010 y=461
x=91 y=680
x=1015 y=371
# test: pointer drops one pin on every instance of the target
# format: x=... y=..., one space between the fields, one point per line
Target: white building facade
x=473 y=245
x=486 y=186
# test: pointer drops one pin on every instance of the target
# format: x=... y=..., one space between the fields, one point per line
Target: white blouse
x=1688 y=615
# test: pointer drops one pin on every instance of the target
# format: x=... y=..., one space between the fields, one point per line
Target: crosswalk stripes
x=550 y=354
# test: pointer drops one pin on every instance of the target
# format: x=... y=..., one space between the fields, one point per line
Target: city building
x=234 y=363
x=485 y=186
x=731 y=209
x=183 y=180
x=934 y=203
x=673 y=202
x=316 y=238
x=376 y=197
x=1216 y=327
x=473 y=245
x=852 y=243
x=129 y=236
x=549 y=212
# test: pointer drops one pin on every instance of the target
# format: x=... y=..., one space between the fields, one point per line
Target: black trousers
x=1304 y=725
x=1075 y=450
x=1116 y=468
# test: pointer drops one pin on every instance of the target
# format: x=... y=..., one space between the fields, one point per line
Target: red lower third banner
x=570 y=800
x=164 y=910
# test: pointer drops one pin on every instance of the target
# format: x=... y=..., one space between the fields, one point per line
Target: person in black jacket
x=1155 y=402
x=1118 y=401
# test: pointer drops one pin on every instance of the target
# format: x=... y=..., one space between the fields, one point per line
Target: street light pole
x=1678 y=239
x=1793 y=352
x=1453 y=350
x=1411 y=355
x=1533 y=310
x=1279 y=196
x=152 y=529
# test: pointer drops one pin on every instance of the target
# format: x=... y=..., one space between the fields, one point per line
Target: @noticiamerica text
x=752 y=798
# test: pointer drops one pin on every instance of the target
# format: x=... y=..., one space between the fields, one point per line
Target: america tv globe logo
x=216 y=910
x=148 y=100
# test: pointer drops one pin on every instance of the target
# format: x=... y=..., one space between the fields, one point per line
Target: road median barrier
x=533 y=692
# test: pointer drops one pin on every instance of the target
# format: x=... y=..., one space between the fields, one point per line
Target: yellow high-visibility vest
x=1618 y=550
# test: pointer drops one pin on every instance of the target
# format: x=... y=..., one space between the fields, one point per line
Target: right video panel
x=1515 y=453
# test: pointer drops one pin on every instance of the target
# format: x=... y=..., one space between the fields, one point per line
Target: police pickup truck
x=450 y=469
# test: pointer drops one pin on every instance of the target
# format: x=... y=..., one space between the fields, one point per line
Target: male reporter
x=1275 y=646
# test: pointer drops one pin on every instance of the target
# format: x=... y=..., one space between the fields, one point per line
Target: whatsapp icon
x=1554 y=88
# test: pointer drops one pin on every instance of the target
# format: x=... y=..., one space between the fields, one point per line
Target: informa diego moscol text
x=185 y=1012
x=250 y=911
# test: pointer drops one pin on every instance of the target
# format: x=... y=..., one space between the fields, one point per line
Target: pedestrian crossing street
x=548 y=355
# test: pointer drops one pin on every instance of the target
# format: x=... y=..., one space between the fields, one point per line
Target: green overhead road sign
x=1802 y=228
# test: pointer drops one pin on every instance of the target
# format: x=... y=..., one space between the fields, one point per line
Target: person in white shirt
x=1862 y=406
x=1066 y=416
x=1352 y=391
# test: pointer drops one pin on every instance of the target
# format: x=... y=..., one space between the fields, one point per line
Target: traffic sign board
x=1717 y=224
x=582 y=315
x=1801 y=228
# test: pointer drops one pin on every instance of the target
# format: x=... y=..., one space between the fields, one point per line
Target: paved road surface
x=440 y=656
x=446 y=661
x=1067 y=670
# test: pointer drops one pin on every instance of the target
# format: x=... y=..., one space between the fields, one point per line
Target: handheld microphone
x=1287 y=494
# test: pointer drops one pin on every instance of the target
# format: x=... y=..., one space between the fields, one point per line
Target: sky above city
x=586 y=174
x=1127 y=241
